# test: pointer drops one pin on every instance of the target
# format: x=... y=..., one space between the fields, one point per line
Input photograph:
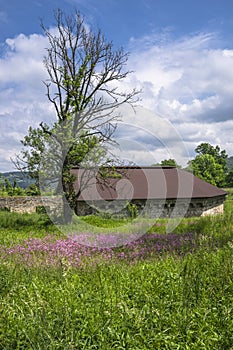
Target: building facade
x=155 y=191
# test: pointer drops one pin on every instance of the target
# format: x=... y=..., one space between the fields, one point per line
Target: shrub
x=132 y=210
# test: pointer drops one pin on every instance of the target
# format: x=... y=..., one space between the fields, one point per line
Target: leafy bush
x=32 y=190
x=132 y=210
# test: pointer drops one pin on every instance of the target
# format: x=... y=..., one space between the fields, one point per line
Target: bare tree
x=83 y=71
x=83 y=85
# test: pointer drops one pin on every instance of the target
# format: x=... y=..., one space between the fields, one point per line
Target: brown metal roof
x=144 y=183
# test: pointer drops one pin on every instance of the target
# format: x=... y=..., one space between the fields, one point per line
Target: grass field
x=162 y=291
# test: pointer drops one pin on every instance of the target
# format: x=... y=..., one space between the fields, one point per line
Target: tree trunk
x=67 y=211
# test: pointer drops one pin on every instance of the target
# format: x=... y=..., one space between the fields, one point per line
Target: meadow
x=160 y=291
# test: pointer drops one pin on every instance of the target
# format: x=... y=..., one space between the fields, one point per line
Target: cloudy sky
x=181 y=55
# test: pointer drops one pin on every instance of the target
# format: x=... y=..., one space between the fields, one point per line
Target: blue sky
x=122 y=19
x=181 y=57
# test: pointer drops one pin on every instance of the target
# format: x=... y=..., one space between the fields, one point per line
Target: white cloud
x=23 y=61
x=22 y=93
x=144 y=137
x=187 y=81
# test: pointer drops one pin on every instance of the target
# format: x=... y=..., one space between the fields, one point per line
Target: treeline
x=8 y=188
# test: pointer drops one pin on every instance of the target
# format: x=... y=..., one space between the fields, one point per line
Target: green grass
x=15 y=227
x=168 y=302
x=164 y=304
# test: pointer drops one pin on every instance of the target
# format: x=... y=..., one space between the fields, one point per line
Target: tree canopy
x=219 y=155
x=170 y=162
x=207 y=168
x=210 y=164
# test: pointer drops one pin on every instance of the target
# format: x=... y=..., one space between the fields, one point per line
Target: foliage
x=219 y=156
x=132 y=210
x=210 y=164
x=170 y=162
x=34 y=145
x=32 y=190
x=12 y=190
x=9 y=189
x=206 y=168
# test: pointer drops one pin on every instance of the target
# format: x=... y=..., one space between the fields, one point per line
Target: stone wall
x=27 y=204
x=151 y=208
x=186 y=208
x=157 y=208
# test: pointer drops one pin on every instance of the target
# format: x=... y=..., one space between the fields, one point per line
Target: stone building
x=155 y=191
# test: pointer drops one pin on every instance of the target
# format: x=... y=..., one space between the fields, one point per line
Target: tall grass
x=18 y=221
x=169 y=299
x=14 y=227
x=167 y=303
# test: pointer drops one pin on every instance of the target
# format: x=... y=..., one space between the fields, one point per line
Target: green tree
x=84 y=73
x=32 y=190
x=206 y=167
x=12 y=189
x=41 y=157
x=219 y=156
x=29 y=159
x=170 y=162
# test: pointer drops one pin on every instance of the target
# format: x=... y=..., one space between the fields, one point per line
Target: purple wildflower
x=53 y=251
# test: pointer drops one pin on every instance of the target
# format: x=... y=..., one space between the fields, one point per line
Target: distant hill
x=23 y=180
x=230 y=162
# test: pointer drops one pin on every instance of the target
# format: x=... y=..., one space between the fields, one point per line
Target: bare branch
x=84 y=73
